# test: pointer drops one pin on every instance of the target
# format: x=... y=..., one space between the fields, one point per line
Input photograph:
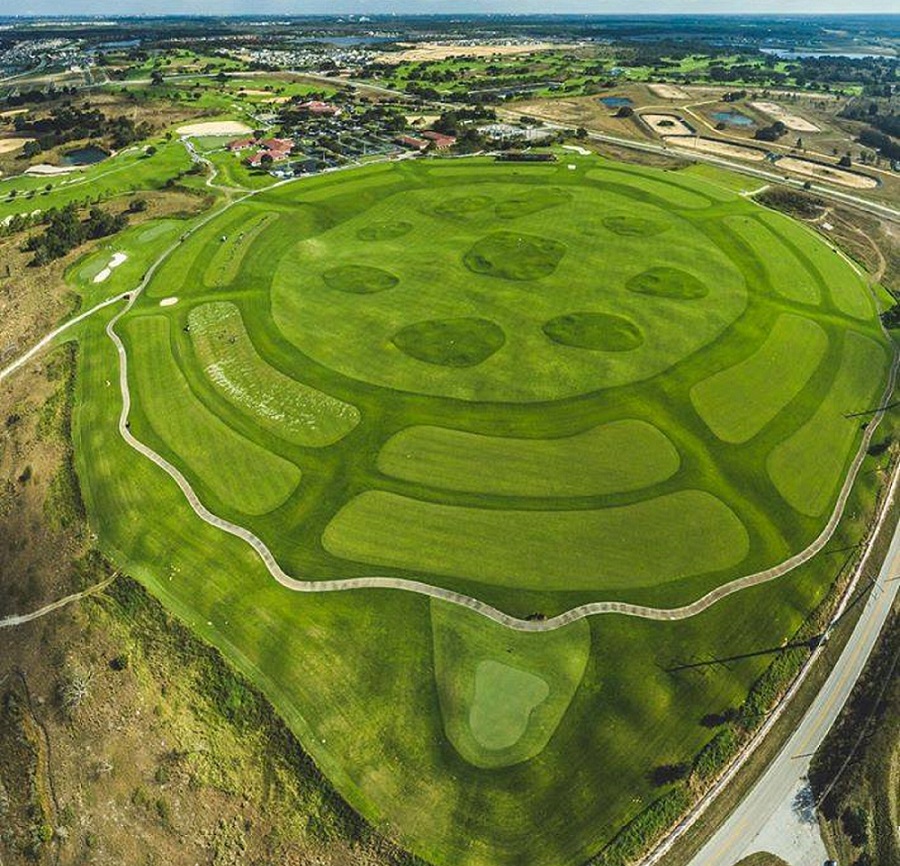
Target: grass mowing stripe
x=644 y=544
x=808 y=467
x=610 y=458
x=237 y=471
x=290 y=409
x=789 y=277
x=738 y=402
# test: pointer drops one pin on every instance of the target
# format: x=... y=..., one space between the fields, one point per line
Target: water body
x=89 y=155
x=788 y=54
x=615 y=101
x=732 y=118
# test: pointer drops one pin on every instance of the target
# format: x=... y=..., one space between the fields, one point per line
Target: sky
x=332 y=7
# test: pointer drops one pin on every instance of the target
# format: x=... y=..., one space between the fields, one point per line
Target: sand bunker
x=214 y=127
x=168 y=302
x=114 y=262
x=577 y=148
x=667 y=124
x=827 y=173
x=8 y=145
x=791 y=121
x=44 y=168
x=722 y=148
x=668 y=91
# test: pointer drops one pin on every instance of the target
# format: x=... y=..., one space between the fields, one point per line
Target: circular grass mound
x=359 y=279
x=384 y=231
x=598 y=331
x=665 y=282
x=514 y=256
x=463 y=342
x=633 y=226
x=464 y=205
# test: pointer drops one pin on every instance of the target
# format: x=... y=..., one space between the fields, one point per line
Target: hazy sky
x=331 y=7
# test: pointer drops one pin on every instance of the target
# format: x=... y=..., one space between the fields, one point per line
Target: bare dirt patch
x=790 y=120
x=721 y=148
x=214 y=127
x=441 y=51
x=667 y=125
x=827 y=173
x=8 y=145
x=668 y=91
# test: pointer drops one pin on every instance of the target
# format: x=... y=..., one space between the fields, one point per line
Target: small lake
x=615 y=101
x=90 y=155
x=732 y=118
x=791 y=54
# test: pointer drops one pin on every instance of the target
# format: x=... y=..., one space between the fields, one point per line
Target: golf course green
x=538 y=386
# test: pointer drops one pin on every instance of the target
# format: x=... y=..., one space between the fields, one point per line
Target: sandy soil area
x=8 y=145
x=668 y=91
x=12 y=112
x=722 y=148
x=791 y=121
x=214 y=127
x=45 y=168
x=827 y=173
x=435 y=51
x=168 y=302
x=667 y=124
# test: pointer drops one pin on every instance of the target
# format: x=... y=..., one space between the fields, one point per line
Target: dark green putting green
x=600 y=331
x=385 y=231
x=359 y=279
x=514 y=256
x=451 y=342
x=663 y=282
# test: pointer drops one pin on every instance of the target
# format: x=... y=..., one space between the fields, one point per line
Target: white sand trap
x=8 y=145
x=168 y=302
x=45 y=169
x=791 y=121
x=215 y=127
x=114 y=262
x=668 y=91
x=582 y=150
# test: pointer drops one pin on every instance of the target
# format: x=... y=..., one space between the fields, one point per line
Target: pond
x=732 y=118
x=89 y=155
x=615 y=101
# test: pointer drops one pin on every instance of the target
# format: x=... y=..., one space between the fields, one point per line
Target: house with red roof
x=441 y=141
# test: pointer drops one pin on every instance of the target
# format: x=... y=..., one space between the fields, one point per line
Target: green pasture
x=535 y=476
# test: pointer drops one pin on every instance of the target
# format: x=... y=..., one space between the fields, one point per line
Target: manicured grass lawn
x=277 y=402
x=738 y=402
x=538 y=478
x=238 y=472
x=612 y=458
x=807 y=467
x=644 y=544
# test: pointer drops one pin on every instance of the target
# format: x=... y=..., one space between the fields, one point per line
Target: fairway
x=523 y=385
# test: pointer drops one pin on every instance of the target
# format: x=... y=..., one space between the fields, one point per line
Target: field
x=534 y=386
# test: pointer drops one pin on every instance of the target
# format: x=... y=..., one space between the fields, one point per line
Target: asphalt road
x=763 y=819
